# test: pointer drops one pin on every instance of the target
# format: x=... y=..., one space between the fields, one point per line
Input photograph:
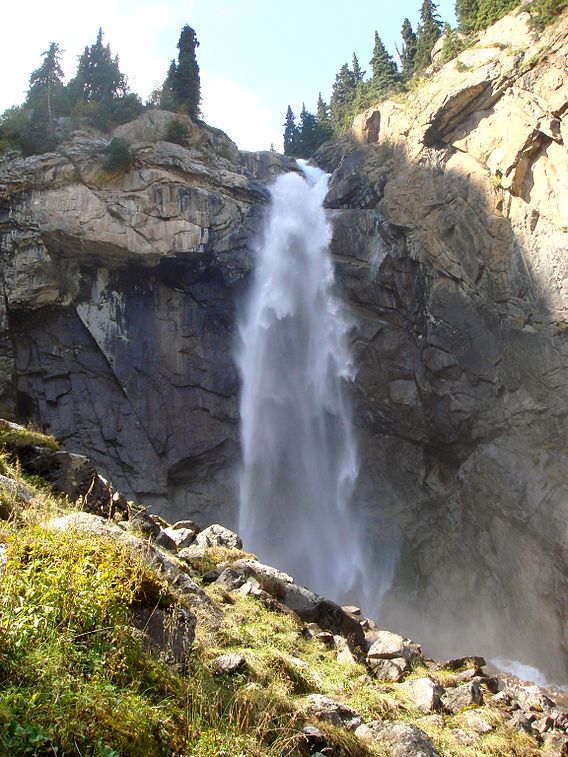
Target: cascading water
x=299 y=453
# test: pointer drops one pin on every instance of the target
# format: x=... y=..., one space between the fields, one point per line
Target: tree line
x=98 y=93
x=353 y=92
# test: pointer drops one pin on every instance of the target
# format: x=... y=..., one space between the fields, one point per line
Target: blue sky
x=255 y=56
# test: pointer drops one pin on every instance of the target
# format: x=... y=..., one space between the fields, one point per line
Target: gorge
x=449 y=240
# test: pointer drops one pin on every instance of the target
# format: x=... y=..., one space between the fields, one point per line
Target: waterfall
x=299 y=453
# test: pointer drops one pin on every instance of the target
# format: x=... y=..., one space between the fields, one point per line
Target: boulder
x=426 y=694
x=392 y=669
x=76 y=477
x=457 y=698
x=228 y=664
x=217 y=536
x=400 y=739
x=330 y=711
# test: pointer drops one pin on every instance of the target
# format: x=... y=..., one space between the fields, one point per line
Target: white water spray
x=299 y=453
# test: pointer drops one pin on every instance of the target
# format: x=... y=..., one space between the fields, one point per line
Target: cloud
x=143 y=33
x=235 y=109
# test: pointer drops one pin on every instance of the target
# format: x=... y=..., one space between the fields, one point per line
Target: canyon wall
x=451 y=237
x=450 y=240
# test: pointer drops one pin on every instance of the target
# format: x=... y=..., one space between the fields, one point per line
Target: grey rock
x=217 y=536
x=457 y=698
x=230 y=579
x=401 y=739
x=14 y=491
x=168 y=633
x=388 y=645
x=476 y=722
x=426 y=694
x=392 y=669
x=181 y=537
x=330 y=711
x=75 y=476
x=228 y=664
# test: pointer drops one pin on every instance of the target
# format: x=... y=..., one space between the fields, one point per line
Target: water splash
x=299 y=452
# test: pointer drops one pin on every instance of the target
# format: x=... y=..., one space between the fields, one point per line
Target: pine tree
x=408 y=51
x=291 y=134
x=45 y=95
x=452 y=44
x=429 y=31
x=490 y=11
x=385 y=75
x=308 y=133
x=98 y=77
x=358 y=75
x=324 y=127
x=342 y=97
x=186 y=85
x=466 y=15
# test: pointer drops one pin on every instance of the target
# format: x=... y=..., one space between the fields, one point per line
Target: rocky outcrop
x=451 y=234
x=119 y=305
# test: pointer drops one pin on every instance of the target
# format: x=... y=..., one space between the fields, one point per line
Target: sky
x=256 y=57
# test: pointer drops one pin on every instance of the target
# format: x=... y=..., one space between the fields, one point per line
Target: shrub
x=177 y=132
x=119 y=156
x=543 y=12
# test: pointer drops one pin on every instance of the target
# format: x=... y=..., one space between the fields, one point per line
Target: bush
x=119 y=155
x=177 y=132
x=543 y=12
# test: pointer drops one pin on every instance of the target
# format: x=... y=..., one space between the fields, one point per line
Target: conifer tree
x=342 y=97
x=45 y=95
x=429 y=31
x=490 y=11
x=358 y=75
x=324 y=127
x=385 y=75
x=185 y=83
x=291 y=134
x=98 y=77
x=308 y=135
x=408 y=51
x=466 y=15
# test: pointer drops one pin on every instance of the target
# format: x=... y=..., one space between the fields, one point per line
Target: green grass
x=75 y=678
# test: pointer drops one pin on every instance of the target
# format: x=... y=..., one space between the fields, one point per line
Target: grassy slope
x=75 y=679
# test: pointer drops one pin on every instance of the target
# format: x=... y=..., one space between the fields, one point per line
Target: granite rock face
x=451 y=242
x=119 y=305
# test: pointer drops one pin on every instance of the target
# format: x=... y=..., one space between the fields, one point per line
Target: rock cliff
x=119 y=297
x=450 y=239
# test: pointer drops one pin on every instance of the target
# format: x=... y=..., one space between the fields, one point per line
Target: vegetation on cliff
x=352 y=93
x=98 y=95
